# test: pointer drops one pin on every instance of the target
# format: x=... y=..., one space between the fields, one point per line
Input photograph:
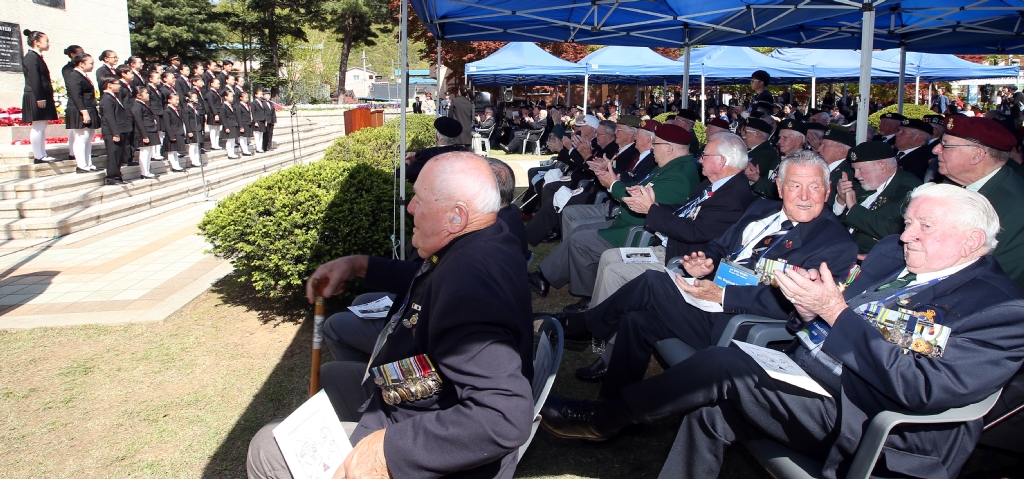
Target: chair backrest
x=547 y=356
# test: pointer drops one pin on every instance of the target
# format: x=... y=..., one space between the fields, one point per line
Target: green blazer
x=1005 y=191
x=836 y=175
x=885 y=217
x=673 y=184
x=767 y=159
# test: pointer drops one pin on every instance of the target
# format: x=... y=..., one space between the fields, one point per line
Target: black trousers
x=343 y=382
x=642 y=312
x=115 y=152
x=728 y=397
x=268 y=135
x=128 y=152
x=545 y=220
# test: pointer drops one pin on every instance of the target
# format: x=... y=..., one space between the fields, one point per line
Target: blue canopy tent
x=619 y=65
x=836 y=66
x=722 y=65
x=945 y=67
x=523 y=63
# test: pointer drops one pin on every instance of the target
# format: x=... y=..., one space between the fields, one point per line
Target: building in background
x=359 y=81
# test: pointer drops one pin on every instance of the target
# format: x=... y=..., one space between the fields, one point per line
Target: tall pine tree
x=161 y=28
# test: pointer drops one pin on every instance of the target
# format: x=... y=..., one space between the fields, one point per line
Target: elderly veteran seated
x=877 y=210
x=575 y=260
x=940 y=270
x=446 y=131
x=797 y=231
x=834 y=149
x=911 y=143
x=973 y=154
x=764 y=159
x=465 y=316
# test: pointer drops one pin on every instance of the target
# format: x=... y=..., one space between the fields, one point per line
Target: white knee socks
x=193 y=154
x=258 y=141
x=229 y=145
x=145 y=153
x=244 y=142
x=38 y=138
x=172 y=156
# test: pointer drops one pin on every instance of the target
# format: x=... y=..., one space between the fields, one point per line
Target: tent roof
x=944 y=67
x=723 y=65
x=629 y=65
x=837 y=65
x=523 y=63
x=937 y=26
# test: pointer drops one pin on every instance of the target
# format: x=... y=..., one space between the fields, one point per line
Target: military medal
x=407 y=380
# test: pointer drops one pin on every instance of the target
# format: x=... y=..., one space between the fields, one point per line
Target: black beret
x=759 y=125
x=871 y=151
x=794 y=125
x=917 y=125
x=840 y=136
x=449 y=127
x=893 y=116
x=688 y=114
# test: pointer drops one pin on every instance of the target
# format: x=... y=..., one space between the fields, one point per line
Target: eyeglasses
x=701 y=159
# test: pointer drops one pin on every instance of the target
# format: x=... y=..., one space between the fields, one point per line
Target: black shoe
x=248 y=154
x=552 y=237
x=594 y=372
x=580 y=306
x=79 y=170
x=178 y=170
x=504 y=148
x=538 y=284
x=132 y=163
x=571 y=420
x=574 y=326
x=204 y=150
x=114 y=181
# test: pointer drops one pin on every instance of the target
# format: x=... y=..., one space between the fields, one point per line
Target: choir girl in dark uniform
x=116 y=123
x=244 y=111
x=194 y=125
x=271 y=121
x=156 y=103
x=126 y=94
x=146 y=131
x=181 y=81
x=214 y=113
x=71 y=51
x=259 y=120
x=107 y=68
x=174 y=132
x=138 y=81
x=199 y=90
x=229 y=118
x=81 y=118
x=37 y=105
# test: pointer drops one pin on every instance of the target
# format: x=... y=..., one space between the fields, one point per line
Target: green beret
x=629 y=120
x=794 y=125
x=871 y=151
x=840 y=136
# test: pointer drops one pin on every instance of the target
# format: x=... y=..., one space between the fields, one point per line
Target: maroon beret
x=650 y=125
x=673 y=134
x=719 y=123
x=980 y=130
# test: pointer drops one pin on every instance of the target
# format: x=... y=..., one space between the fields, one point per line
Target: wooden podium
x=357 y=119
x=377 y=118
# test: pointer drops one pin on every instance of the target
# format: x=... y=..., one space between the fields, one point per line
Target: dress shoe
x=538 y=284
x=114 y=181
x=248 y=154
x=571 y=420
x=132 y=163
x=233 y=157
x=594 y=372
x=578 y=307
x=149 y=176
x=552 y=237
x=204 y=150
x=504 y=148
x=178 y=170
x=93 y=168
x=80 y=170
x=574 y=326
x=44 y=160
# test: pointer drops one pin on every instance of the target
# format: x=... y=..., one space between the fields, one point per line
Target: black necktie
x=898 y=283
x=765 y=243
x=900 y=155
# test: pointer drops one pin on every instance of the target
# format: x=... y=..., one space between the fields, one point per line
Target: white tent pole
x=586 y=91
x=437 y=100
x=867 y=33
x=902 y=86
x=702 y=108
x=929 y=104
x=404 y=66
x=917 y=91
x=686 y=76
x=568 y=95
x=814 y=93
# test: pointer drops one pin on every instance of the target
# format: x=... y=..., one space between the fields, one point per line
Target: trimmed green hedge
x=698 y=128
x=909 y=111
x=379 y=146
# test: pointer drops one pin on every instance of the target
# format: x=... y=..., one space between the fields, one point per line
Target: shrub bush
x=277 y=230
x=698 y=128
x=379 y=146
x=909 y=111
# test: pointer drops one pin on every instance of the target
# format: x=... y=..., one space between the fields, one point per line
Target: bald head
x=455 y=194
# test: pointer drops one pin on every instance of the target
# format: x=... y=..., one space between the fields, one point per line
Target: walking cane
x=318 y=340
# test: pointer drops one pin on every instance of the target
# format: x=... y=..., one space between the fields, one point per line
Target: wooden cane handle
x=314 y=374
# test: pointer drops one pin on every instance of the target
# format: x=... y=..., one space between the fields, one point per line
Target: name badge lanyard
x=395 y=318
x=689 y=207
x=903 y=291
x=758 y=236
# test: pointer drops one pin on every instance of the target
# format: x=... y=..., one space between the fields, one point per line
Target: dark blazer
x=166 y=90
x=103 y=71
x=271 y=112
x=138 y=81
x=193 y=123
x=986 y=348
x=81 y=97
x=885 y=217
x=475 y=324
x=643 y=168
x=711 y=219
x=821 y=240
x=114 y=118
x=1005 y=190
x=916 y=162
x=259 y=112
x=622 y=161
x=201 y=104
x=767 y=159
x=462 y=110
x=512 y=216
x=157 y=99
x=126 y=92
x=485 y=124
x=173 y=126
x=37 y=87
x=147 y=124
x=182 y=85
x=245 y=122
x=229 y=118
x=214 y=108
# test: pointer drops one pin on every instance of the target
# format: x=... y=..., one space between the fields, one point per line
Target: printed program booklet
x=312 y=439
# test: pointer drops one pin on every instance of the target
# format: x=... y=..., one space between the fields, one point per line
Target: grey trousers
x=612 y=273
x=583 y=247
x=574 y=216
x=351 y=338
x=265 y=460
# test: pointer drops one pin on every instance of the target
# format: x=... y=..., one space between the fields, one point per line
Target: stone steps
x=46 y=207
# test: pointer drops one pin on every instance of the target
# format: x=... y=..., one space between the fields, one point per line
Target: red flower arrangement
x=12 y=117
x=55 y=140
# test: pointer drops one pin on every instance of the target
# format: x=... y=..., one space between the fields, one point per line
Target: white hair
x=803 y=158
x=732 y=148
x=648 y=133
x=453 y=184
x=972 y=211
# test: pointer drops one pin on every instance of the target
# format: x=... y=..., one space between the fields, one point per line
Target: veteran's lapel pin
x=789 y=244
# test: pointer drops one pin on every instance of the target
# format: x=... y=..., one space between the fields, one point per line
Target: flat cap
x=629 y=120
x=794 y=125
x=871 y=151
x=893 y=116
x=650 y=125
x=917 y=125
x=981 y=130
x=840 y=136
x=688 y=114
x=759 y=125
x=673 y=134
x=719 y=123
x=449 y=127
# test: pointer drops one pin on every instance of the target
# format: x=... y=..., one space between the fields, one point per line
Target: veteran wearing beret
x=687 y=119
x=913 y=154
x=762 y=154
x=973 y=154
x=792 y=138
x=834 y=149
x=889 y=125
x=877 y=210
x=446 y=131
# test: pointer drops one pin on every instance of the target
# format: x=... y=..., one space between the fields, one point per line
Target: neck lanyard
x=687 y=208
x=757 y=236
x=904 y=290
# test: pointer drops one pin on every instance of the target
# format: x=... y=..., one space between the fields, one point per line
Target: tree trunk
x=346 y=48
x=274 y=60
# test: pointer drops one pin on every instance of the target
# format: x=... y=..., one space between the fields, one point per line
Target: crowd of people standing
x=162 y=112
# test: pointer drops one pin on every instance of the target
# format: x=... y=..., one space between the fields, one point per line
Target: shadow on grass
x=235 y=292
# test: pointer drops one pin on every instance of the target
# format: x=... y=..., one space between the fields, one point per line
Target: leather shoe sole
x=597 y=370
x=538 y=285
x=578 y=307
x=571 y=420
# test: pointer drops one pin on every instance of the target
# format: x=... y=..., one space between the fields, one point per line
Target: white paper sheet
x=312 y=440
x=703 y=304
x=637 y=255
x=781 y=368
x=374 y=309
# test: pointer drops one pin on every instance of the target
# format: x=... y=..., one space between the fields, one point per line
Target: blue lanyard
x=904 y=290
x=687 y=208
x=758 y=236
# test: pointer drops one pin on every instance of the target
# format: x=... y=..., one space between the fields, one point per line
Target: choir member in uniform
x=199 y=90
x=146 y=131
x=156 y=103
x=127 y=96
x=245 y=122
x=37 y=105
x=214 y=113
x=138 y=81
x=271 y=121
x=109 y=67
x=194 y=126
x=81 y=118
x=229 y=119
x=259 y=120
x=181 y=83
x=117 y=124
x=174 y=132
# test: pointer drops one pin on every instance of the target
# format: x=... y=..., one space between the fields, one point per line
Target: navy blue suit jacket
x=984 y=309
x=475 y=324
x=821 y=240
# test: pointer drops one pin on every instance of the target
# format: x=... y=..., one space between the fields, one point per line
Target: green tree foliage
x=379 y=146
x=161 y=28
x=698 y=128
x=353 y=22
x=909 y=111
x=277 y=22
